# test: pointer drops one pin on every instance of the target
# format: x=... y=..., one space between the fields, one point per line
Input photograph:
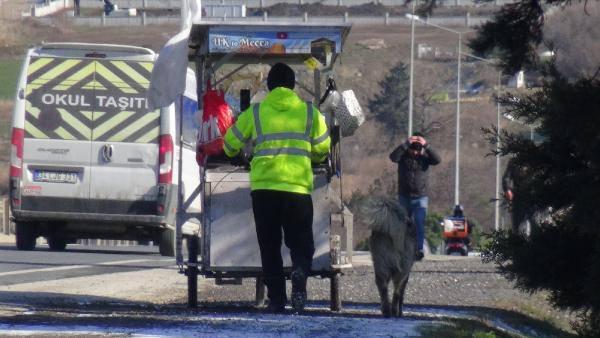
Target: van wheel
x=57 y=244
x=25 y=233
x=166 y=245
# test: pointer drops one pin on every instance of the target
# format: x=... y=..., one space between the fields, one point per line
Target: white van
x=88 y=158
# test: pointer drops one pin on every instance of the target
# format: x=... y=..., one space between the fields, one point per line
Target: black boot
x=419 y=254
x=275 y=307
x=298 y=290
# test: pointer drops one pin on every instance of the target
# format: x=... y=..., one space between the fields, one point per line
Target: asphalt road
x=18 y=267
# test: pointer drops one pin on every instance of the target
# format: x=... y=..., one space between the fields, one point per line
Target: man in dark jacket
x=414 y=158
x=511 y=185
x=108 y=7
x=77 y=8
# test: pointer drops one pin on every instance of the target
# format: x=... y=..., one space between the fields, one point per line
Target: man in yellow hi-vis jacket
x=289 y=134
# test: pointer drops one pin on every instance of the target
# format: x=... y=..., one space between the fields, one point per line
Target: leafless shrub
x=574 y=33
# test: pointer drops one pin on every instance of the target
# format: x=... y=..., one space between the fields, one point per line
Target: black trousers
x=518 y=215
x=292 y=212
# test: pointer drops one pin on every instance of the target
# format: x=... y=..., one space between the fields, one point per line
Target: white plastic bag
x=349 y=113
x=345 y=108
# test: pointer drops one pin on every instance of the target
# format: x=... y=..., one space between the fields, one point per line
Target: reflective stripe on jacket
x=288 y=134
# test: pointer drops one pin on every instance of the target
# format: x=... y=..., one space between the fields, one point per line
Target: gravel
x=437 y=282
x=438 y=285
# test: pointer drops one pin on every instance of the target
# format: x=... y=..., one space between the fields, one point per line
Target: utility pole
x=412 y=61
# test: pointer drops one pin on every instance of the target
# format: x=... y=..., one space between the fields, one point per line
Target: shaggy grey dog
x=392 y=244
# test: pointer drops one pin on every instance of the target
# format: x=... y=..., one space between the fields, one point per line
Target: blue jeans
x=417 y=210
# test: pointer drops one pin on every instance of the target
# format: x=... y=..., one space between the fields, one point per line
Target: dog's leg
x=400 y=282
x=398 y=299
x=396 y=307
x=382 y=287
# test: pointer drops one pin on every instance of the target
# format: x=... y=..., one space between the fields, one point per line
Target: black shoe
x=419 y=255
x=275 y=308
x=298 y=290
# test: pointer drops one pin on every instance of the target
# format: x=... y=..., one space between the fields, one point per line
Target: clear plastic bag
x=345 y=108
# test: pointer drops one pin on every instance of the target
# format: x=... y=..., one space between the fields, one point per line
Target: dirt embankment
x=371 y=9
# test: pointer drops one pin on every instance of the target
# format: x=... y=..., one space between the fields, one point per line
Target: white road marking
x=73 y=267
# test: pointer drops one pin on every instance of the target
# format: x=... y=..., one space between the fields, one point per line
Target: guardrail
x=267 y=3
x=109 y=242
x=142 y=20
x=49 y=7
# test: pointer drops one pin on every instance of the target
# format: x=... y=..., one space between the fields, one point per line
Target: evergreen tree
x=390 y=106
x=512 y=36
x=562 y=254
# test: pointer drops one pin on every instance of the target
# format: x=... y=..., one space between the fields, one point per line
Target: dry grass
x=10 y=21
x=5 y=116
x=9 y=35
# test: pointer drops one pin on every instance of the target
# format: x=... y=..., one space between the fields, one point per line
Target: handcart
x=228 y=246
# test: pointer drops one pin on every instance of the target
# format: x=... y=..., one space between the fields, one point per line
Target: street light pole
x=457 y=167
x=459 y=52
x=497 y=200
x=412 y=60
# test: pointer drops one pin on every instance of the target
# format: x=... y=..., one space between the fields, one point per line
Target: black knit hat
x=281 y=75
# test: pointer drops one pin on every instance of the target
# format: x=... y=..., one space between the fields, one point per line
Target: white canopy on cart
x=169 y=73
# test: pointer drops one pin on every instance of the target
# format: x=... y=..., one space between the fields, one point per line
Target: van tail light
x=16 y=152
x=165 y=160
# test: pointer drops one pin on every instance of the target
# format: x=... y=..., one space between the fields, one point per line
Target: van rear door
x=58 y=123
x=124 y=139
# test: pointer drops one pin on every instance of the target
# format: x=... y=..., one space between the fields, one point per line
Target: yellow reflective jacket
x=288 y=134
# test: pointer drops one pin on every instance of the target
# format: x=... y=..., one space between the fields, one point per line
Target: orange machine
x=455 y=227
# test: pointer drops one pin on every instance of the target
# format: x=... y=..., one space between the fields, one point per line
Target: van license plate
x=54 y=176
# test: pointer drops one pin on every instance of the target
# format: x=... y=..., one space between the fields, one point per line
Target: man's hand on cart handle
x=240 y=160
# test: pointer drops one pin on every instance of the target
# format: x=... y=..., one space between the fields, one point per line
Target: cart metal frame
x=207 y=62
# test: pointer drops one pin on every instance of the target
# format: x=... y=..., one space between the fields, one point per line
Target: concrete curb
x=7 y=239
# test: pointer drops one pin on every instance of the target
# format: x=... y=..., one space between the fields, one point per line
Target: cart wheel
x=336 y=300
x=166 y=245
x=260 y=291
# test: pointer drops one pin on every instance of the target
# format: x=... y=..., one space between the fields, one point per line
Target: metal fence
x=108 y=242
x=142 y=20
x=267 y=3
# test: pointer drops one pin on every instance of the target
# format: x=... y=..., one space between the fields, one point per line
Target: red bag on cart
x=216 y=119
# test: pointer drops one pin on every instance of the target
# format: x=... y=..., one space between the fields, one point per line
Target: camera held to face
x=416 y=146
